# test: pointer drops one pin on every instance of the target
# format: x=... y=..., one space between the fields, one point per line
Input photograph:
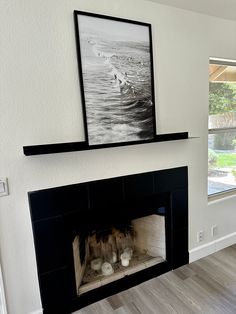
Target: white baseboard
x=212 y=247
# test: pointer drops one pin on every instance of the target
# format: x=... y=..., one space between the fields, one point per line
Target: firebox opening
x=104 y=255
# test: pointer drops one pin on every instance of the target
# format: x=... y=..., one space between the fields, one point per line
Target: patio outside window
x=222 y=127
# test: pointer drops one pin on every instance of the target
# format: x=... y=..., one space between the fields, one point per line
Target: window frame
x=213 y=131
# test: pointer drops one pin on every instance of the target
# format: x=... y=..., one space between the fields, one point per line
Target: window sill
x=221 y=195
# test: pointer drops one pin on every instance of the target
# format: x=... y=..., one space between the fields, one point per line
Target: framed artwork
x=116 y=76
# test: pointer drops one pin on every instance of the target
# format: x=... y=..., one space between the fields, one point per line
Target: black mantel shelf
x=81 y=146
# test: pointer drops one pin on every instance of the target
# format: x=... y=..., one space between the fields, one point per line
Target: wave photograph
x=117 y=80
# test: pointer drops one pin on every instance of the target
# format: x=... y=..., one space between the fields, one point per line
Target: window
x=222 y=127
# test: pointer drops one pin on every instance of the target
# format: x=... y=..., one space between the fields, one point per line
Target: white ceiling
x=221 y=8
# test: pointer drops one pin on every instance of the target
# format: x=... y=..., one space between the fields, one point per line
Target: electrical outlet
x=200 y=236
x=213 y=230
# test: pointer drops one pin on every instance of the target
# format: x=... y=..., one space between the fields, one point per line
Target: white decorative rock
x=113 y=257
x=124 y=262
x=125 y=258
x=107 y=269
x=96 y=264
x=129 y=251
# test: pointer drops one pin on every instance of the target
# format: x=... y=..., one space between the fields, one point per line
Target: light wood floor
x=206 y=286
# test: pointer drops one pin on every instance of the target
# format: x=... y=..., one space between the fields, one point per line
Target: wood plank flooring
x=206 y=286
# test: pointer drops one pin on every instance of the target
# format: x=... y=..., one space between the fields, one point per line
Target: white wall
x=3 y=309
x=40 y=103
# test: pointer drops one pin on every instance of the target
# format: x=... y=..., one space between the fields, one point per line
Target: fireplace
x=108 y=253
x=97 y=238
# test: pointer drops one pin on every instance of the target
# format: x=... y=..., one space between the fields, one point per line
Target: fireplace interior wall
x=59 y=213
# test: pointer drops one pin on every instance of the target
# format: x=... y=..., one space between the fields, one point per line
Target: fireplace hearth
x=97 y=238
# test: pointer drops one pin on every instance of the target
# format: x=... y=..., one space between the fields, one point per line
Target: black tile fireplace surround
x=58 y=213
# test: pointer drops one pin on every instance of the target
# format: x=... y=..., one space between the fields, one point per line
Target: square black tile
x=51 y=244
x=171 y=179
x=138 y=186
x=57 y=292
x=52 y=202
x=180 y=247
x=179 y=201
x=106 y=193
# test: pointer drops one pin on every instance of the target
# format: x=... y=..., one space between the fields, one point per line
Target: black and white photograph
x=116 y=76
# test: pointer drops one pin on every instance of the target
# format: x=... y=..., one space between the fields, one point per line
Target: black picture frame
x=115 y=63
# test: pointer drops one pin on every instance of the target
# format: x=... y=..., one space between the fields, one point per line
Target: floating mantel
x=81 y=146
